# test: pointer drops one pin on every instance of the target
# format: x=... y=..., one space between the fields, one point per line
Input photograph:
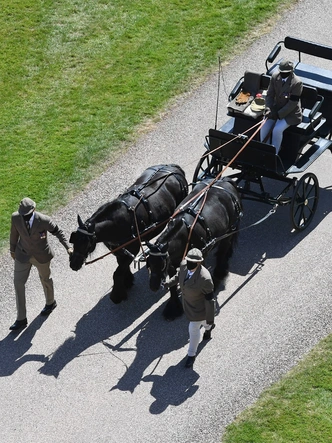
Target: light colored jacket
x=34 y=244
x=285 y=98
x=197 y=298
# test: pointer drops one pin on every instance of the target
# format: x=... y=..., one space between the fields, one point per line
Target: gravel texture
x=104 y=373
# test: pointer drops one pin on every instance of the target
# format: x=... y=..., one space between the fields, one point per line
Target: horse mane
x=171 y=230
x=175 y=166
x=104 y=212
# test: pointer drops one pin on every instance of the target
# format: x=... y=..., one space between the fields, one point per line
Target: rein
x=129 y=242
x=259 y=126
x=204 y=190
x=194 y=224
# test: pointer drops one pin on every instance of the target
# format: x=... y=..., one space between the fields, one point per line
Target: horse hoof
x=115 y=299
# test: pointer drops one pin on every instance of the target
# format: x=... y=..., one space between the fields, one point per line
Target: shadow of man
x=172 y=388
x=154 y=341
x=14 y=347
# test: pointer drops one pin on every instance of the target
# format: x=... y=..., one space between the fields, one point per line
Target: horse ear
x=80 y=222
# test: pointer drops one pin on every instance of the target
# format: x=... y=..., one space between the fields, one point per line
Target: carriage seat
x=296 y=137
x=311 y=102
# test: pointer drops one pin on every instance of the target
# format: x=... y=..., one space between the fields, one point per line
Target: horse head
x=157 y=264
x=84 y=242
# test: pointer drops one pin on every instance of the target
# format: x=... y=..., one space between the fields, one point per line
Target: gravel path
x=98 y=372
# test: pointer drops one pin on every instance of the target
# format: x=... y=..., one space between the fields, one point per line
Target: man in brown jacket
x=197 y=298
x=29 y=246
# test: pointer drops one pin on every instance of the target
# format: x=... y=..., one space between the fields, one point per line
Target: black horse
x=208 y=218
x=140 y=213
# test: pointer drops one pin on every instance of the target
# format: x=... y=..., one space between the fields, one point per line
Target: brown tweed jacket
x=34 y=244
x=196 y=306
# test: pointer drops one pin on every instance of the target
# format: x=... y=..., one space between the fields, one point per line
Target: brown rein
x=205 y=189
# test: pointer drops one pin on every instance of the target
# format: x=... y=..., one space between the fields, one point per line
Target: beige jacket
x=34 y=244
x=197 y=298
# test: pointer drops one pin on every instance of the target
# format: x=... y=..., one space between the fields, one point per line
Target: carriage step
x=283 y=201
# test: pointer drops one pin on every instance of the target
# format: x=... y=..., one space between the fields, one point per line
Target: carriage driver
x=197 y=298
x=283 y=105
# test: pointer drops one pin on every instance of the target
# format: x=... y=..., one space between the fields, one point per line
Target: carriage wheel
x=304 y=201
x=207 y=167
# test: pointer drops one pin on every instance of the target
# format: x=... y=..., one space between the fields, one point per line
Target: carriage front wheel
x=304 y=201
x=207 y=167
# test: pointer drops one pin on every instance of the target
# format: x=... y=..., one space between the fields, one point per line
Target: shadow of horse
x=155 y=336
x=101 y=322
x=153 y=342
x=14 y=347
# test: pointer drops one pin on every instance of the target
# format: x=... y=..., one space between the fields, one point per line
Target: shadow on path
x=14 y=347
x=273 y=238
x=103 y=321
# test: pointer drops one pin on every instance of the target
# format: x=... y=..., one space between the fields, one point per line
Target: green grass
x=298 y=409
x=78 y=80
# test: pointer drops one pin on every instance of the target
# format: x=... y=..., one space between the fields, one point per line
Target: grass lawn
x=298 y=409
x=79 y=78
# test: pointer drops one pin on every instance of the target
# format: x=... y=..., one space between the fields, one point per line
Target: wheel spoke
x=304 y=201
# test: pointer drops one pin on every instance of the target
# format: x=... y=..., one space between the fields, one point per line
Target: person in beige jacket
x=282 y=104
x=198 y=301
x=29 y=247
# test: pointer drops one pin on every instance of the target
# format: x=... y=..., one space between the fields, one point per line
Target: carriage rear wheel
x=207 y=167
x=304 y=201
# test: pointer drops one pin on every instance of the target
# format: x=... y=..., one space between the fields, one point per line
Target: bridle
x=92 y=239
x=165 y=257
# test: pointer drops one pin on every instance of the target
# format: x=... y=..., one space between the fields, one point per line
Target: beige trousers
x=21 y=275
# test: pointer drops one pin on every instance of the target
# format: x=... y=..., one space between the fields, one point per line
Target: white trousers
x=277 y=132
x=195 y=335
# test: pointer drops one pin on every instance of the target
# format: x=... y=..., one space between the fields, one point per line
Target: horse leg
x=223 y=255
x=173 y=308
x=128 y=278
x=122 y=279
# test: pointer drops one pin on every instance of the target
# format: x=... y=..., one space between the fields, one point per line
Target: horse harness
x=141 y=198
x=196 y=214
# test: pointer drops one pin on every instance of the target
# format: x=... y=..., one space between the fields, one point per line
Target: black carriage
x=236 y=144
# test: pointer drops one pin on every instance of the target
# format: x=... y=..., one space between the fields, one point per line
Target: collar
x=32 y=219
